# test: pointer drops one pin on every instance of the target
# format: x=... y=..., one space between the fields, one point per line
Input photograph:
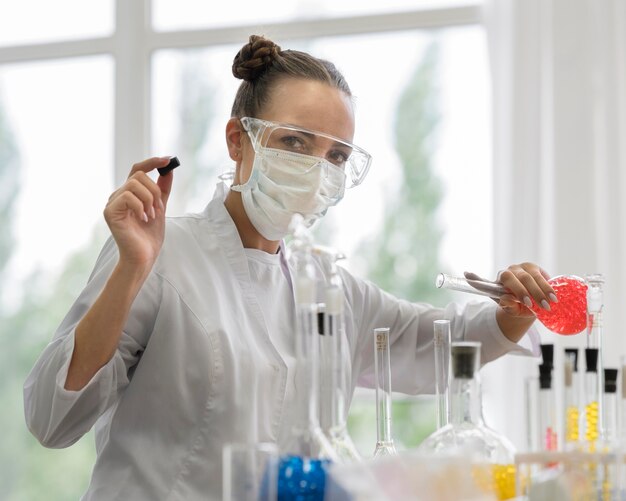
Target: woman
x=182 y=340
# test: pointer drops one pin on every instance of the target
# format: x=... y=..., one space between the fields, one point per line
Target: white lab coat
x=196 y=367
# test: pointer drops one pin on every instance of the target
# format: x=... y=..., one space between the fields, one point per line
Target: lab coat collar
x=229 y=238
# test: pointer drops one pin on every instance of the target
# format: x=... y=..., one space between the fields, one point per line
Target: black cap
x=321 y=308
x=591 y=359
x=610 y=380
x=547 y=354
x=465 y=359
x=545 y=377
x=572 y=354
x=173 y=163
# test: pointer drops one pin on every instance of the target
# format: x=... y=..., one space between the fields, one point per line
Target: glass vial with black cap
x=592 y=432
x=547 y=412
x=609 y=428
x=622 y=409
x=608 y=478
x=571 y=399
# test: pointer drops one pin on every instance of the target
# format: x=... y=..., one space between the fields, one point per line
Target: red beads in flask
x=569 y=315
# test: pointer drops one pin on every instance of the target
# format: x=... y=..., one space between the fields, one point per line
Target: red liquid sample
x=569 y=315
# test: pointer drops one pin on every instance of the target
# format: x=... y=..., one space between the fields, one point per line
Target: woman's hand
x=526 y=282
x=135 y=213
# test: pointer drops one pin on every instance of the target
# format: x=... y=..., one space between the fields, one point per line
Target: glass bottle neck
x=465 y=402
x=306 y=369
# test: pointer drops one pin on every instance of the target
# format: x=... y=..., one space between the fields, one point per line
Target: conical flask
x=335 y=382
x=307 y=453
x=466 y=434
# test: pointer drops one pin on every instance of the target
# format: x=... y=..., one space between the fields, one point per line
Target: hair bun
x=255 y=58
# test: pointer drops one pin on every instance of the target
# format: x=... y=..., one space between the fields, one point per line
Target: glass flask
x=566 y=317
x=441 y=342
x=336 y=382
x=307 y=454
x=466 y=434
x=382 y=365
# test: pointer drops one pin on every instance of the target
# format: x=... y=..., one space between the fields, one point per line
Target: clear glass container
x=595 y=307
x=591 y=416
x=610 y=430
x=622 y=403
x=441 y=341
x=307 y=453
x=547 y=401
x=336 y=382
x=382 y=365
x=466 y=434
x=571 y=400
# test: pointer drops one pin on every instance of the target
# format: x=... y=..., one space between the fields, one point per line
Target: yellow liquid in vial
x=496 y=478
x=571 y=424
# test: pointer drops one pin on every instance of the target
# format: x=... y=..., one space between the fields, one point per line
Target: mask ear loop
x=229 y=176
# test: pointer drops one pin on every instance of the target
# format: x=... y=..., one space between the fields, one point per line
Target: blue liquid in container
x=301 y=479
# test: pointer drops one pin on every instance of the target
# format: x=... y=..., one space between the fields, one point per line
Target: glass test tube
x=547 y=415
x=610 y=431
x=531 y=397
x=595 y=307
x=622 y=409
x=340 y=380
x=441 y=339
x=591 y=399
x=382 y=365
x=461 y=284
x=547 y=422
x=571 y=399
x=325 y=374
x=609 y=436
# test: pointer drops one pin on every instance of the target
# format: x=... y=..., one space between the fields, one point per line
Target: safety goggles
x=354 y=161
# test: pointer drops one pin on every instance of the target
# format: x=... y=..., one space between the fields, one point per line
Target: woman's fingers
x=146 y=194
x=127 y=201
x=149 y=165
x=527 y=282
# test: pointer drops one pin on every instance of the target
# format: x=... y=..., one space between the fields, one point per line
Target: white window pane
x=61 y=117
x=190 y=14
x=35 y=21
x=192 y=95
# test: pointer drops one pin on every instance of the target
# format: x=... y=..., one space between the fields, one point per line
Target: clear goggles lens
x=354 y=161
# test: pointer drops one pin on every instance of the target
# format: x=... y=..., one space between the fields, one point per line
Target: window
x=59 y=106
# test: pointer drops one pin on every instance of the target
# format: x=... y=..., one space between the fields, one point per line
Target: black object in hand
x=174 y=162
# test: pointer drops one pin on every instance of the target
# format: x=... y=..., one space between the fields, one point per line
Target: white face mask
x=284 y=183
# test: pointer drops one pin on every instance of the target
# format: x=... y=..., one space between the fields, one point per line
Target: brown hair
x=261 y=63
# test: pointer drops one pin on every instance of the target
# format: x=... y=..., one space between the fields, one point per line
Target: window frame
x=134 y=42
